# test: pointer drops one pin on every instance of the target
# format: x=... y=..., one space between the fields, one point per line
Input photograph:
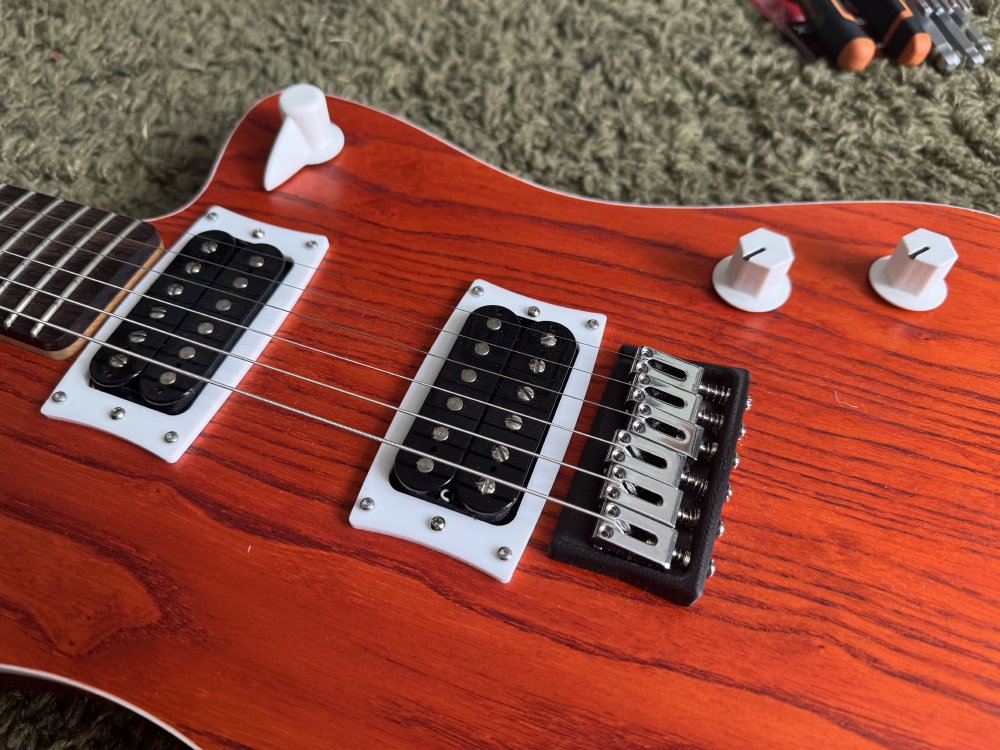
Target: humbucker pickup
x=665 y=446
x=159 y=368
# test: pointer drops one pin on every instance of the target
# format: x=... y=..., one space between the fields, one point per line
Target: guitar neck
x=55 y=252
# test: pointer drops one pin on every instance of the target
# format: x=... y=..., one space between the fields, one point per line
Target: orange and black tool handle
x=896 y=29
x=839 y=34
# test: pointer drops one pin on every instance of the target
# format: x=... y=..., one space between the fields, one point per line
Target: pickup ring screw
x=366 y=503
x=58 y=397
x=312 y=244
x=170 y=437
x=117 y=413
x=257 y=234
x=212 y=216
x=504 y=553
x=593 y=324
x=437 y=523
x=533 y=311
x=477 y=291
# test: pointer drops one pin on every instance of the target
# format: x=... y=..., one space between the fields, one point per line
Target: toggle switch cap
x=755 y=277
x=913 y=276
x=306 y=137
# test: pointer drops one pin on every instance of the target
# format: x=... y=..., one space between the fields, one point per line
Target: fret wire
x=617 y=523
x=15 y=204
x=9 y=321
x=79 y=278
x=365 y=365
x=25 y=264
x=52 y=237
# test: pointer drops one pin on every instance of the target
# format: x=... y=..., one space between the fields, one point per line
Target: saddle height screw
x=477 y=291
x=257 y=233
x=366 y=503
x=437 y=523
x=533 y=312
x=58 y=397
x=170 y=437
x=593 y=324
x=117 y=413
x=504 y=553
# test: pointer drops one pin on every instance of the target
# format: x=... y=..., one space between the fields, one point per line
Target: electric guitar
x=409 y=452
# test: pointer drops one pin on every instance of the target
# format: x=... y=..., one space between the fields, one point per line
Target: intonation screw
x=689 y=517
x=729 y=494
x=717 y=393
x=312 y=244
x=711 y=568
x=437 y=523
x=477 y=291
x=721 y=531
x=714 y=421
x=736 y=460
x=366 y=503
x=698 y=485
x=170 y=437
x=117 y=413
x=257 y=233
x=212 y=216
x=504 y=553
x=533 y=312
x=58 y=397
x=593 y=324
x=749 y=404
x=682 y=557
x=708 y=450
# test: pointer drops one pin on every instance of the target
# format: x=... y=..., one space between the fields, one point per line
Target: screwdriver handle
x=900 y=33
x=839 y=34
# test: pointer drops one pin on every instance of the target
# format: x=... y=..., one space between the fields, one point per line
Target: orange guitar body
x=856 y=601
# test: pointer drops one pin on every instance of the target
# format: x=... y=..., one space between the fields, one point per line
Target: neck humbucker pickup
x=666 y=445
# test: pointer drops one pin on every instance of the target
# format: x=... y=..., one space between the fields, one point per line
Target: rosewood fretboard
x=55 y=253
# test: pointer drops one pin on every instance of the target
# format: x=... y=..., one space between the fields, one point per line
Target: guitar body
x=856 y=601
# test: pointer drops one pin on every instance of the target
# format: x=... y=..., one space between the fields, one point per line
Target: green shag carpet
x=122 y=104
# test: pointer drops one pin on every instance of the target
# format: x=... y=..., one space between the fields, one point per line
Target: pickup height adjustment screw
x=504 y=553
x=170 y=437
x=437 y=523
x=257 y=234
x=682 y=557
x=477 y=291
x=537 y=366
x=58 y=397
x=533 y=311
x=593 y=324
x=366 y=503
x=117 y=413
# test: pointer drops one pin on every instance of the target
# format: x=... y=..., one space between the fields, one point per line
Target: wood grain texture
x=856 y=602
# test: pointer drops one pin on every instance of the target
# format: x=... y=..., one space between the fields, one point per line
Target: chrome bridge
x=665 y=445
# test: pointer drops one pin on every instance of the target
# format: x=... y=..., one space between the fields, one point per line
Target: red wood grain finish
x=856 y=602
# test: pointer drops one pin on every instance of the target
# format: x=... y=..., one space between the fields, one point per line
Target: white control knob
x=306 y=137
x=755 y=277
x=913 y=276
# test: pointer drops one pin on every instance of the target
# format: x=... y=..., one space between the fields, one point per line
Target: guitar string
x=321 y=269
x=330 y=386
x=350 y=329
x=292 y=342
x=616 y=522
x=314 y=319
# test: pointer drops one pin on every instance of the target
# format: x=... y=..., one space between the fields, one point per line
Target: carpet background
x=122 y=104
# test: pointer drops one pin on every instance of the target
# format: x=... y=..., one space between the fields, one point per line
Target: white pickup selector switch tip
x=306 y=137
x=755 y=277
x=913 y=276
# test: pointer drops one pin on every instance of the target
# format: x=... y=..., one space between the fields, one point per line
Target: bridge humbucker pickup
x=667 y=477
x=192 y=314
x=488 y=411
